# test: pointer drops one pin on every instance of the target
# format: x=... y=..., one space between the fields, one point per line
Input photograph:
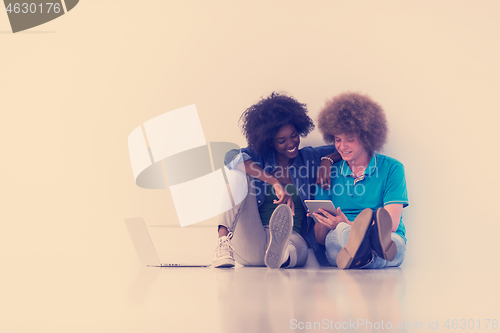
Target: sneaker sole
x=358 y=231
x=223 y=263
x=384 y=226
x=280 y=228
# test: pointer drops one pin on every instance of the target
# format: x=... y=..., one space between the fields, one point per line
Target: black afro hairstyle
x=262 y=121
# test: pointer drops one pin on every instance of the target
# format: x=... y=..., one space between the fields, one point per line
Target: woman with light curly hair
x=368 y=188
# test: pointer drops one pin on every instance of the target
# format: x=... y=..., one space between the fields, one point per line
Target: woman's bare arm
x=324 y=170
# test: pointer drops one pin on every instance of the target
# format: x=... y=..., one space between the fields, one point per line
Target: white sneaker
x=223 y=256
x=280 y=228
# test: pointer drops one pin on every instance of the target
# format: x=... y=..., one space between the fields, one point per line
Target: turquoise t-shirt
x=384 y=183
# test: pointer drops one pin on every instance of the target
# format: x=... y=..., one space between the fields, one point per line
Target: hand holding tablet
x=315 y=205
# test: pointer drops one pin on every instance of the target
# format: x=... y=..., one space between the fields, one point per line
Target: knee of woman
x=238 y=185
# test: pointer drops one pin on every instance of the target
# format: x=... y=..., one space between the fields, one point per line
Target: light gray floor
x=43 y=295
x=252 y=299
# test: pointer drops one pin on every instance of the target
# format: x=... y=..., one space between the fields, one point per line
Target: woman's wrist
x=335 y=156
x=274 y=181
x=326 y=159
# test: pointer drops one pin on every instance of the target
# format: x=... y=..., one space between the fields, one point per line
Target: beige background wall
x=73 y=89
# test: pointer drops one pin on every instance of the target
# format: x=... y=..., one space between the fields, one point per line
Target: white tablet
x=315 y=205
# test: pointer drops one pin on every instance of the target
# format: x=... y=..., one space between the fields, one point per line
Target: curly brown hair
x=354 y=114
x=263 y=120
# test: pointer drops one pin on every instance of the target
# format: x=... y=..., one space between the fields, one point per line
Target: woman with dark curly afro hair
x=270 y=225
x=368 y=188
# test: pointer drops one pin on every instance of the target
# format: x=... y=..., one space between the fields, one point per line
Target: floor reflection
x=258 y=299
x=140 y=288
x=244 y=299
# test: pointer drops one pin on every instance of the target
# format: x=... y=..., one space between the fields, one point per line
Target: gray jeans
x=251 y=238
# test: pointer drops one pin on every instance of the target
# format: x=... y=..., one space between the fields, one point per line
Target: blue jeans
x=336 y=239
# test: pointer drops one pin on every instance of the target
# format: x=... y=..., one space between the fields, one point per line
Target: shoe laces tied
x=225 y=247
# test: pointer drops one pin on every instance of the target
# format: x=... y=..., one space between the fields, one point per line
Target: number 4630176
x=471 y=324
x=33 y=8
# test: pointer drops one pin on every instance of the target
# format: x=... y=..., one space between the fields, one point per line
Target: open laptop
x=183 y=247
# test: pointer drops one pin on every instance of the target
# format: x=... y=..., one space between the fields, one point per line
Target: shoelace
x=225 y=247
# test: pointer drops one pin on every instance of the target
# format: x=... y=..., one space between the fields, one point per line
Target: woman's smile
x=286 y=143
